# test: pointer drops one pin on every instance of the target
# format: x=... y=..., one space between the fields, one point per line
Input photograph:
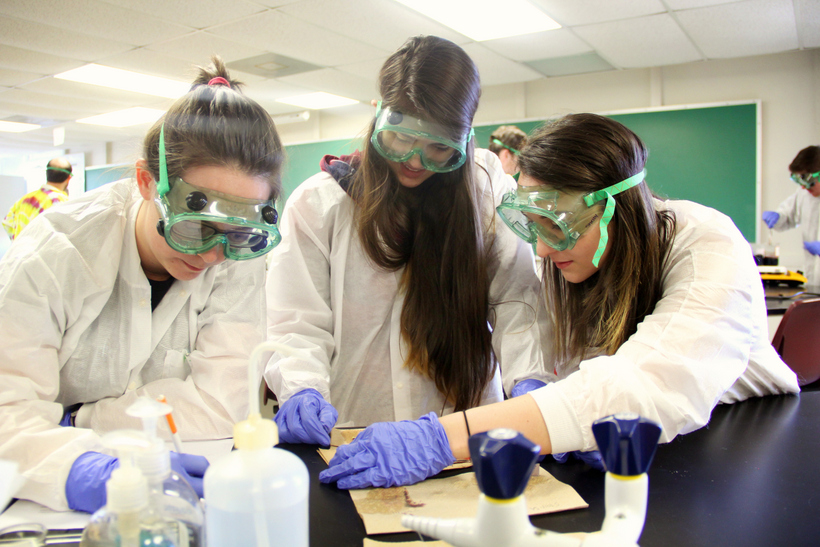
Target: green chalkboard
x=704 y=154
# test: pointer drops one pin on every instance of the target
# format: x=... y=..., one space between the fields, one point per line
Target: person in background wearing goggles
x=802 y=209
x=657 y=310
x=142 y=287
x=506 y=142
x=394 y=279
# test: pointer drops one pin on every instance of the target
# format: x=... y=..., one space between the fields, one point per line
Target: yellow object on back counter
x=778 y=275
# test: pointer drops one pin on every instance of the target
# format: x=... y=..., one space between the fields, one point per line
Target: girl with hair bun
x=143 y=287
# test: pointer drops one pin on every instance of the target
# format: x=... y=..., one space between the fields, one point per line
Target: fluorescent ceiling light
x=317 y=101
x=17 y=127
x=485 y=19
x=125 y=118
x=126 y=80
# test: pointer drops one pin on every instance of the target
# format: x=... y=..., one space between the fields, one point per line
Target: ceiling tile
x=94 y=18
x=586 y=12
x=495 y=69
x=807 y=15
x=572 y=64
x=752 y=27
x=286 y=35
x=381 y=23
x=15 y=58
x=337 y=82
x=539 y=45
x=31 y=112
x=56 y=41
x=689 y=4
x=366 y=69
x=153 y=63
x=17 y=77
x=654 y=40
x=199 y=46
x=96 y=97
x=203 y=14
x=266 y=92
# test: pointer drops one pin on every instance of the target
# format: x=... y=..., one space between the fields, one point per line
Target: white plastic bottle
x=169 y=493
x=258 y=494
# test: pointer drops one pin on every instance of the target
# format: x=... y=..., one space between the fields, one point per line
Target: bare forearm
x=521 y=414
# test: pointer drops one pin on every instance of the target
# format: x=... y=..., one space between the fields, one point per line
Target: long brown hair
x=584 y=153
x=435 y=230
x=217 y=125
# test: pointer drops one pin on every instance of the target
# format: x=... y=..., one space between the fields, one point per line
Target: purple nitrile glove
x=306 y=418
x=770 y=218
x=85 y=485
x=591 y=458
x=812 y=246
x=191 y=468
x=391 y=454
x=525 y=386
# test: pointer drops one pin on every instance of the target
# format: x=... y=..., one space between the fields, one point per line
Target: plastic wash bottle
x=258 y=494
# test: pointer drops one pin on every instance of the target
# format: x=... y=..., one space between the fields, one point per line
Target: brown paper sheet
x=338 y=437
x=453 y=497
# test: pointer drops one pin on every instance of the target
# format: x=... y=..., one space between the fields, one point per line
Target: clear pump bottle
x=127 y=519
x=169 y=493
x=258 y=494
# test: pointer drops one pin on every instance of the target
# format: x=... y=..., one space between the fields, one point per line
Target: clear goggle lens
x=193 y=236
x=435 y=156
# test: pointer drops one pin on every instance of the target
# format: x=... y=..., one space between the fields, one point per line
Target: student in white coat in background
x=394 y=279
x=803 y=209
x=126 y=292
x=658 y=311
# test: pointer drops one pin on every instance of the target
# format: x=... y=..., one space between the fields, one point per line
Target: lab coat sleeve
x=34 y=312
x=229 y=323
x=521 y=331
x=298 y=289
x=789 y=211
x=683 y=356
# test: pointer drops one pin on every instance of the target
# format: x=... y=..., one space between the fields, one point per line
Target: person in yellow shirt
x=58 y=174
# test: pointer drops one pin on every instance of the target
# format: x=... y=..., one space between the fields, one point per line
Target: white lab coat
x=77 y=327
x=325 y=297
x=803 y=210
x=705 y=342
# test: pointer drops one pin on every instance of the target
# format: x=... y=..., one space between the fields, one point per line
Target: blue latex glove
x=591 y=458
x=85 y=485
x=306 y=418
x=812 y=246
x=525 y=386
x=66 y=421
x=391 y=454
x=770 y=218
x=191 y=468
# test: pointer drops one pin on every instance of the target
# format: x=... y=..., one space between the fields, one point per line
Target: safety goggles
x=398 y=137
x=193 y=220
x=806 y=180
x=560 y=218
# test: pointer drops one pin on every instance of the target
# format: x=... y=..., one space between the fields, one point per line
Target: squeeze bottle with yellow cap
x=257 y=494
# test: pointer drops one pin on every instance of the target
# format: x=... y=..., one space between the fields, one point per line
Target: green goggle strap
x=609 y=209
x=163 y=186
x=60 y=169
x=510 y=148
